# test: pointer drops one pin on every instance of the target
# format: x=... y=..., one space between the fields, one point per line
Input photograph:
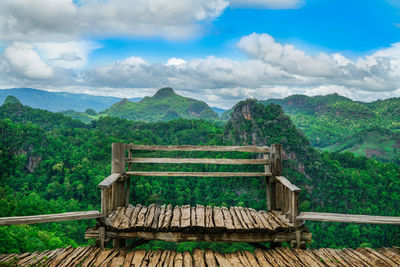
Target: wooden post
x=102 y=236
x=267 y=168
x=118 y=187
x=276 y=170
x=118 y=166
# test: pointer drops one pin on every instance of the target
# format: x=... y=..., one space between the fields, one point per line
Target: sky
x=219 y=51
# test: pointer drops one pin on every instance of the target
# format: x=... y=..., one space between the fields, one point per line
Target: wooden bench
x=282 y=195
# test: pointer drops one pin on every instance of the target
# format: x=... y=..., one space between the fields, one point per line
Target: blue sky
x=219 y=51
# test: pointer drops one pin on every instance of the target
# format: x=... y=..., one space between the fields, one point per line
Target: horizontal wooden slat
x=109 y=180
x=200 y=237
x=198 y=161
x=255 y=149
x=201 y=174
x=288 y=184
x=348 y=218
x=67 y=216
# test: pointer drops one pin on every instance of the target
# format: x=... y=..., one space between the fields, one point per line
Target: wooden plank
x=250 y=257
x=107 y=182
x=209 y=220
x=149 y=217
x=253 y=149
x=261 y=258
x=276 y=159
x=222 y=260
x=161 y=218
x=230 y=227
x=126 y=219
x=198 y=161
x=206 y=237
x=210 y=258
x=257 y=221
x=243 y=259
x=178 y=261
x=193 y=218
x=170 y=261
x=135 y=214
x=240 y=218
x=198 y=258
x=274 y=225
x=138 y=258
x=287 y=184
x=236 y=222
x=167 y=218
x=201 y=217
x=187 y=259
x=247 y=219
x=154 y=225
x=155 y=259
x=67 y=216
x=218 y=219
x=266 y=226
x=164 y=258
x=185 y=218
x=348 y=218
x=233 y=259
x=141 y=218
x=119 y=259
x=199 y=174
x=176 y=219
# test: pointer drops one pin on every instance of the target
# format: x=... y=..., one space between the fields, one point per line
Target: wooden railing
x=281 y=194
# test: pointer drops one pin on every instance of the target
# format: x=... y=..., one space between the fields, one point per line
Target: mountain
x=60 y=101
x=50 y=163
x=164 y=105
x=219 y=111
x=336 y=122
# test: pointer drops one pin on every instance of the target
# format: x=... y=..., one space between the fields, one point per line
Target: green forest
x=51 y=163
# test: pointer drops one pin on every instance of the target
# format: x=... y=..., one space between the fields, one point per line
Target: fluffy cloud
x=273 y=4
x=271 y=70
x=68 y=55
x=27 y=62
x=58 y=20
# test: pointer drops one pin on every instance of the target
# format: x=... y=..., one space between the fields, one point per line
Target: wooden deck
x=199 y=223
x=94 y=256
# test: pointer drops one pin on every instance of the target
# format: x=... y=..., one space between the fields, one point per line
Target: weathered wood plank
x=193 y=218
x=206 y=237
x=201 y=218
x=240 y=218
x=253 y=149
x=210 y=259
x=246 y=219
x=218 y=219
x=236 y=222
x=261 y=258
x=185 y=218
x=167 y=218
x=199 y=174
x=138 y=258
x=154 y=225
x=67 y=216
x=149 y=217
x=176 y=219
x=287 y=184
x=135 y=214
x=198 y=161
x=230 y=227
x=348 y=218
x=209 y=220
x=178 y=261
x=198 y=258
x=141 y=218
x=187 y=259
x=161 y=218
x=107 y=182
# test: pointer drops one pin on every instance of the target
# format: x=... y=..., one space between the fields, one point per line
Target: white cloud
x=272 y=4
x=27 y=62
x=62 y=20
x=175 y=62
x=68 y=55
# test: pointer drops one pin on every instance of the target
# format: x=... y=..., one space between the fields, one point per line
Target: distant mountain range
x=164 y=105
x=333 y=122
x=60 y=101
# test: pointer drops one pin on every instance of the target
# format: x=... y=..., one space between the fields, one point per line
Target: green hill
x=332 y=121
x=165 y=105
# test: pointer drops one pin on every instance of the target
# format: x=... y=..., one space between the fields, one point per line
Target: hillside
x=165 y=105
x=51 y=163
x=332 y=121
x=60 y=101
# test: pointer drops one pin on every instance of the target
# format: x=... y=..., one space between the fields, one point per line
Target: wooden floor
x=93 y=256
x=164 y=218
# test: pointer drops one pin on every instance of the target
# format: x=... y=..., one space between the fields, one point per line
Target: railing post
x=267 y=168
x=118 y=188
x=276 y=170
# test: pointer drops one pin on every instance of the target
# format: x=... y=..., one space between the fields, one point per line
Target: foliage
x=50 y=163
